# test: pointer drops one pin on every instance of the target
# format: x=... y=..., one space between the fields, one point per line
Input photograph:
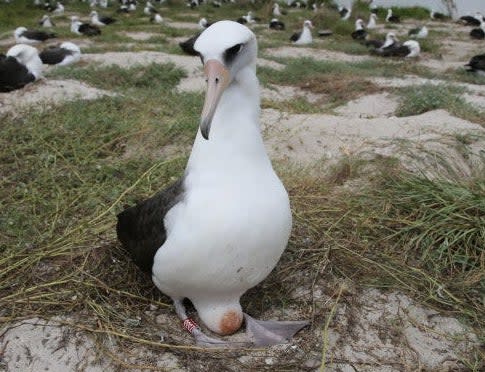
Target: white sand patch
x=318 y=54
x=186 y=25
x=371 y=106
x=390 y=331
x=410 y=80
x=280 y=93
x=129 y=59
x=419 y=141
x=39 y=345
x=476 y=100
x=139 y=35
x=45 y=92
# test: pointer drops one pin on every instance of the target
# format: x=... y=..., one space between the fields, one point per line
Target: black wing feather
x=188 y=45
x=54 y=55
x=141 y=228
x=13 y=75
x=295 y=36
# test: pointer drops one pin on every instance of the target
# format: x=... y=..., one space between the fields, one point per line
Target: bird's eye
x=231 y=53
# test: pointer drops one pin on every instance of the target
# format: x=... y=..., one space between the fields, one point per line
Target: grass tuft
x=416 y=100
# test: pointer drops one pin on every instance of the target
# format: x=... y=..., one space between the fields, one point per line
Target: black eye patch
x=231 y=53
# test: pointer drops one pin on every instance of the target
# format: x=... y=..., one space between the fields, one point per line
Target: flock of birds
x=20 y=65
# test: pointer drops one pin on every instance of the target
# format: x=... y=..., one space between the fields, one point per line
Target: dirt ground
x=371 y=329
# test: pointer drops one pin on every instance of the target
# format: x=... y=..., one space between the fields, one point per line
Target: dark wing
x=295 y=36
x=394 y=51
x=13 y=75
x=54 y=55
x=37 y=35
x=477 y=63
x=374 y=44
x=188 y=45
x=413 y=31
x=359 y=35
x=107 y=20
x=89 y=30
x=477 y=33
x=277 y=25
x=394 y=19
x=141 y=228
x=324 y=33
x=242 y=20
x=470 y=21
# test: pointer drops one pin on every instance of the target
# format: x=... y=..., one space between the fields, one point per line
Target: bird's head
x=226 y=48
x=93 y=14
x=19 y=31
x=28 y=56
x=308 y=24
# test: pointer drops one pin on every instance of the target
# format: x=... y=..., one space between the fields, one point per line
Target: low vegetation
x=418 y=99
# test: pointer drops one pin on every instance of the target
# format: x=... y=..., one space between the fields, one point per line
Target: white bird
x=29 y=57
x=372 y=21
x=59 y=9
x=156 y=18
x=304 y=36
x=24 y=36
x=19 y=67
x=276 y=10
x=65 y=54
x=419 y=32
x=46 y=21
x=392 y=18
x=221 y=228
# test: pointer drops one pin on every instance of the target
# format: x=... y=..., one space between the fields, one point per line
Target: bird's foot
x=271 y=332
x=201 y=339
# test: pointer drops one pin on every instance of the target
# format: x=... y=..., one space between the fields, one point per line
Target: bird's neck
x=235 y=135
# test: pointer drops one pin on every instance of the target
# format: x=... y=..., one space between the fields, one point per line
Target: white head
x=308 y=24
x=276 y=6
x=19 y=30
x=359 y=24
x=28 y=56
x=389 y=12
x=391 y=36
x=93 y=14
x=373 y=16
x=44 y=18
x=71 y=47
x=203 y=22
x=413 y=47
x=227 y=60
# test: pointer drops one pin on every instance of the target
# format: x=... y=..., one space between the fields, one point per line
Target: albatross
x=222 y=227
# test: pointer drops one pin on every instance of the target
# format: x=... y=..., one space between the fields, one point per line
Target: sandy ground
x=373 y=330
x=45 y=92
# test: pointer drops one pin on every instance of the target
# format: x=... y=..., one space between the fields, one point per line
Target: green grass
x=425 y=236
x=158 y=76
x=416 y=100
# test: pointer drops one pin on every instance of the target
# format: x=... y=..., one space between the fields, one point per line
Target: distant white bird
x=96 y=20
x=392 y=18
x=359 y=33
x=276 y=10
x=156 y=18
x=63 y=55
x=419 y=32
x=46 y=22
x=372 y=21
x=24 y=36
x=59 y=9
x=305 y=35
